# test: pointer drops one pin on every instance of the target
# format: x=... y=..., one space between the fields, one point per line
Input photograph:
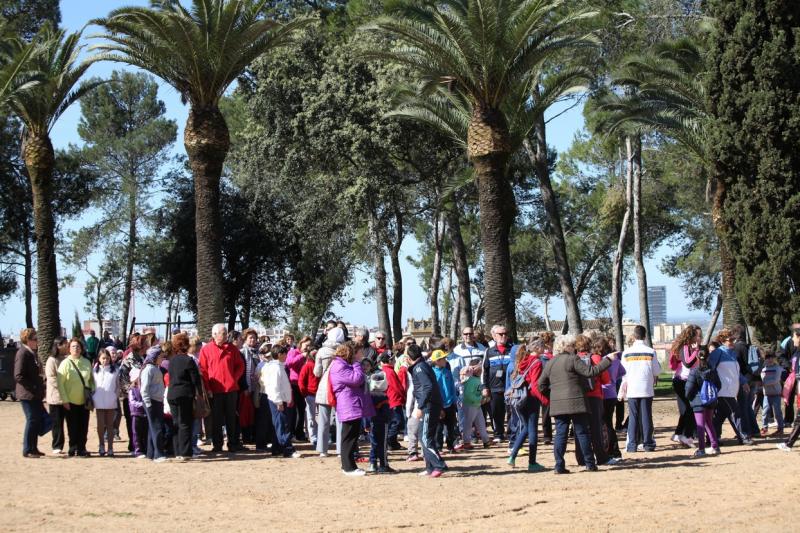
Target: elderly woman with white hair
x=566 y=379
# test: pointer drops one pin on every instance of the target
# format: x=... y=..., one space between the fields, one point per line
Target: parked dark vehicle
x=7 y=383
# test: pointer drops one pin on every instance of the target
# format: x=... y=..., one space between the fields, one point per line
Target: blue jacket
x=447 y=386
x=426 y=389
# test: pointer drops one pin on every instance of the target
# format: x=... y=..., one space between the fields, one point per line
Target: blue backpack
x=708 y=394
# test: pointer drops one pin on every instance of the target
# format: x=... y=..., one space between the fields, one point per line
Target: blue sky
x=357 y=309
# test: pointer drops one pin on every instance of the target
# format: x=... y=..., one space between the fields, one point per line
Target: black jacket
x=426 y=390
x=740 y=348
x=495 y=366
x=28 y=375
x=695 y=382
x=184 y=377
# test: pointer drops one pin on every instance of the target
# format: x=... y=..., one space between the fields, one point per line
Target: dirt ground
x=661 y=491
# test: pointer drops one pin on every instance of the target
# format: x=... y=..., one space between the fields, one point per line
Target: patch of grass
x=664 y=386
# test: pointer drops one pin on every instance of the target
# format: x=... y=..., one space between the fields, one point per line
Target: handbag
x=201 y=407
x=47 y=422
x=88 y=401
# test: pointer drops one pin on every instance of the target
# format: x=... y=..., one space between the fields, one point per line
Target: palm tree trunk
x=129 y=262
x=641 y=273
x=397 y=278
x=538 y=157
x=616 y=273
x=460 y=265
x=28 y=261
x=436 y=275
x=207 y=141
x=381 y=296
x=37 y=152
x=731 y=311
x=488 y=148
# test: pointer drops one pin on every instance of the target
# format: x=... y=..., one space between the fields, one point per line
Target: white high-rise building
x=657 y=304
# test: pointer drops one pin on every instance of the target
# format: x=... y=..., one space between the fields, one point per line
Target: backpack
x=752 y=359
x=708 y=394
x=517 y=393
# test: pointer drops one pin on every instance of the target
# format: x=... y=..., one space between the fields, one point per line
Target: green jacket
x=69 y=383
x=472 y=392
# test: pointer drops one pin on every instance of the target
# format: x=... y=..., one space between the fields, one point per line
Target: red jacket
x=599 y=381
x=533 y=376
x=221 y=367
x=402 y=375
x=396 y=392
x=308 y=382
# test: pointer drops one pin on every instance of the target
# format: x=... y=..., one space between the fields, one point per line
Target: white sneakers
x=296 y=455
x=323 y=454
x=355 y=473
x=783 y=447
x=689 y=443
x=161 y=459
x=57 y=452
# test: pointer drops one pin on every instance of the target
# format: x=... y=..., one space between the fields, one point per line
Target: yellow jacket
x=70 y=387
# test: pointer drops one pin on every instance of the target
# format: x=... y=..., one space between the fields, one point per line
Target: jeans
x=547 y=423
x=57 y=414
x=349 y=435
x=155 y=435
x=283 y=421
x=299 y=420
x=33 y=421
x=265 y=430
x=498 y=412
x=183 y=419
x=311 y=418
x=324 y=414
x=728 y=408
x=686 y=423
x=749 y=424
x=595 y=431
x=378 y=438
x=581 y=424
x=450 y=424
x=773 y=403
x=430 y=450
x=223 y=411
x=528 y=418
x=77 y=427
x=640 y=416
x=396 y=423
x=704 y=422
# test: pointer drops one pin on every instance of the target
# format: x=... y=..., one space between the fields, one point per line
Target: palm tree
x=38 y=107
x=488 y=53
x=16 y=71
x=200 y=52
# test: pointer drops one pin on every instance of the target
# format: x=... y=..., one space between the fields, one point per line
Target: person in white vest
x=641 y=371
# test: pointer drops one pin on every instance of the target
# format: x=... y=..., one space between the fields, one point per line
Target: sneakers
x=458 y=447
x=687 y=442
x=101 y=451
x=496 y=440
x=110 y=452
x=487 y=444
x=371 y=469
x=355 y=473
x=699 y=454
x=161 y=459
x=511 y=461
x=386 y=470
x=784 y=447
x=57 y=452
x=764 y=432
x=141 y=456
x=323 y=455
x=424 y=473
x=613 y=461
x=535 y=468
x=592 y=468
x=413 y=457
x=435 y=473
x=296 y=455
x=675 y=438
x=640 y=448
x=714 y=451
x=747 y=442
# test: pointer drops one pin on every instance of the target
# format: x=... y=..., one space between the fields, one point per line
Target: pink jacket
x=294 y=362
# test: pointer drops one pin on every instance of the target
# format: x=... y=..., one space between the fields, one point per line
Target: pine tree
x=754 y=97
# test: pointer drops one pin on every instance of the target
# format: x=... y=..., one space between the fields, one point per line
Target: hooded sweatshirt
x=106 y=392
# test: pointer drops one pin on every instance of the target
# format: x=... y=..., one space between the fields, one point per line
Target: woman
x=294 y=363
x=683 y=358
x=152 y=388
x=600 y=347
x=184 y=385
x=137 y=347
x=528 y=363
x=564 y=380
x=347 y=383
x=29 y=390
x=325 y=356
x=54 y=403
x=74 y=377
x=594 y=399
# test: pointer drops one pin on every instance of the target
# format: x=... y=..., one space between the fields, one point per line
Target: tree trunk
x=129 y=262
x=449 y=304
x=381 y=296
x=641 y=273
x=168 y=333
x=37 y=152
x=488 y=148
x=616 y=273
x=397 y=278
x=547 y=314
x=453 y=329
x=460 y=265
x=99 y=308
x=247 y=298
x=436 y=274
x=207 y=141
x=731 y=311
x=28 y=278
x=553 y=227
x=714 y=319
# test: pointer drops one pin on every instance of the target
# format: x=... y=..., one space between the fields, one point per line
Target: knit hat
x=438 y=354
x=152 y=354
x=336 y=335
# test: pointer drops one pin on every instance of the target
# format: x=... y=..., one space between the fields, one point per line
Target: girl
x=472 y=412
x=105 y=398
x=308 y=384
x=139 y=436
x=529 y=364
x=275 y=383
x=152 y=388
x=703 y=414
x=683 y=357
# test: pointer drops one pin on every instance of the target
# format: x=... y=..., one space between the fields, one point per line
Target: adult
x=747 y=382
x=428 y=410
x=682 y=358
x=134 y=359
x=107 y=340
x=641 y=372
x=465 y=351
x=30 y=390
x=528 y=363
x=54 y=403
x=295 y=360
x=495 y=362
x=547 y=338
x=352 y=404
x=184 y=385
x=564 y=380
x=322 y=337
x=221 y=365
x=791 y=388
x=92 y=346
x=361 y=339
x=724 y=361
x=594 y=399
x=379 y=344
x=603 y=346
x=74 y=377
x=249 y=386
x=325 y=356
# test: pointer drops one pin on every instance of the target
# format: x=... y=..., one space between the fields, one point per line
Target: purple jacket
x=615 y=372
x=347 y=382
x=136 y=402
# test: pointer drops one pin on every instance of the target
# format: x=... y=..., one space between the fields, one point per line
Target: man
x=745 y=395
x=92 y=346
x=107 y=340
x=464 y=352
x=362 y=341
x=428 y=410
x=379 y=344
x=495 y=362
x=641 y=371
x=222 y=365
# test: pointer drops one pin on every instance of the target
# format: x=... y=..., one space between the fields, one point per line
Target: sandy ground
x=661 y=491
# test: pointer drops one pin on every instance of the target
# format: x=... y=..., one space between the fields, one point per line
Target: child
x=447 y=389
x=396 y=394
x=429 y=409
x=377 y=386
x=105 y=397
x=139 y=418
x=309 y=384
x=703 y=414
x=771 y=379
x=152 y=388
x=413 y=425
x=275 y=383
x=473 y=414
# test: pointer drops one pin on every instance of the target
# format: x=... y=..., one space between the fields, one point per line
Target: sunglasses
x=379 y=338
x=503 y=334
x=468 y=333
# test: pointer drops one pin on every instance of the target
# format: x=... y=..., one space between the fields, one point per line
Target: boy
x=428 y=410
x=771 y=379
x=275 y=383
x=447 y=390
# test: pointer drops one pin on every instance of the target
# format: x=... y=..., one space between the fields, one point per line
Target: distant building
x=657 y=304
x=112 y=326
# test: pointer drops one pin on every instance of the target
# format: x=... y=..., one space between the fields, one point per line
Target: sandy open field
x=662 y=491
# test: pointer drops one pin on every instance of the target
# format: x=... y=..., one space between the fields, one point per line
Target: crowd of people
x=240 y=390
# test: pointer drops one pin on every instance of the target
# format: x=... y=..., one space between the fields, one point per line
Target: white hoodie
x=106 y=392
x=275 y=382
